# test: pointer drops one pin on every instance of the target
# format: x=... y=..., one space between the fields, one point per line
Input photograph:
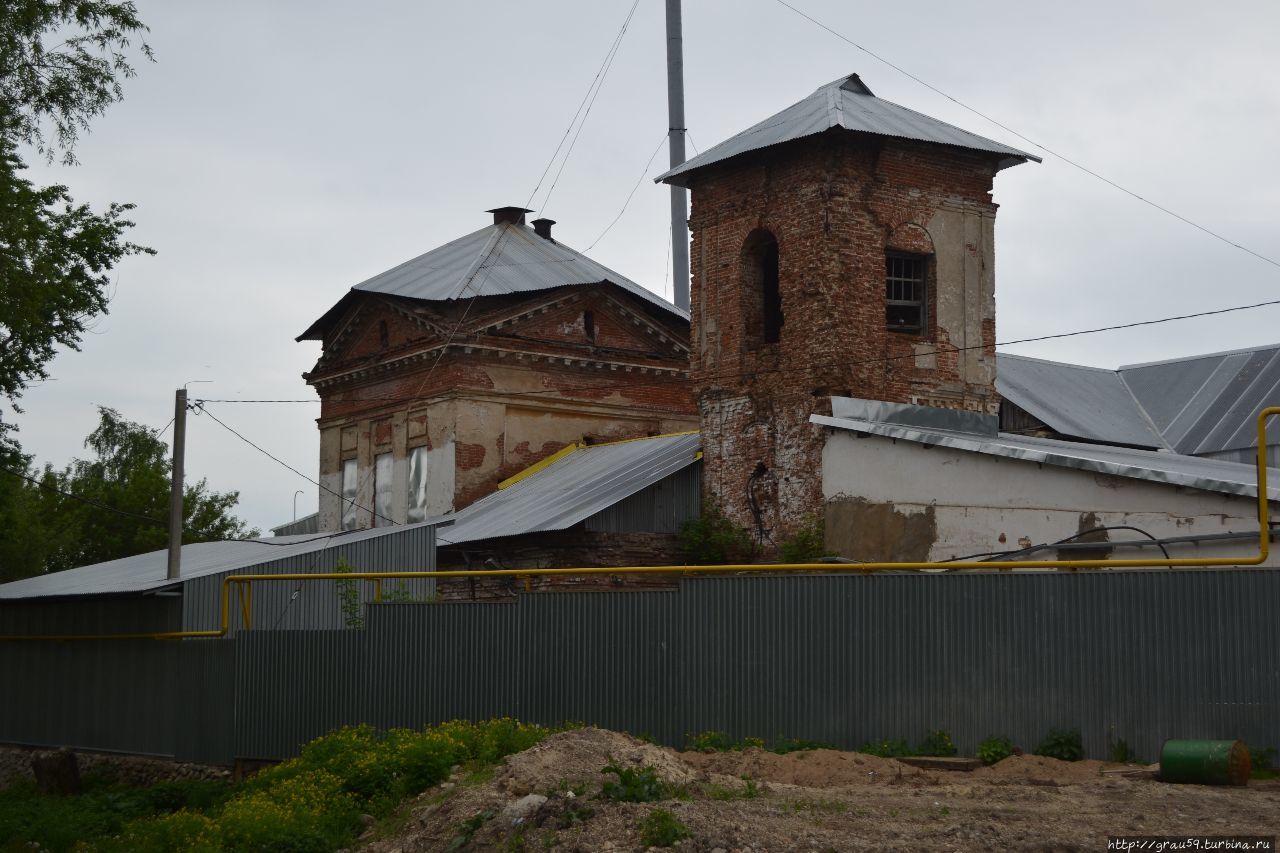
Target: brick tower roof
x=846 y=103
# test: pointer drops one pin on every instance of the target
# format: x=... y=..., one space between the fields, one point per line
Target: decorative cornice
x=512 y=356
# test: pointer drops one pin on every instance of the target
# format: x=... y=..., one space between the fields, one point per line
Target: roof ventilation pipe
x=514 y=215
x=542 y=227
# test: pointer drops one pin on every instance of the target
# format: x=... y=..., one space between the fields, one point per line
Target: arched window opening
x=762 y=298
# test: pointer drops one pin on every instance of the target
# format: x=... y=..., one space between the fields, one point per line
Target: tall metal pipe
x=175 y=486
x=676 y=131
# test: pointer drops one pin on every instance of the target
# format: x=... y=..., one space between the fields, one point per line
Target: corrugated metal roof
x=1212 y=475
x=146 y=572
x=1208 y=403
x=1083 y=402
x=845 y=103
x=498 y=259
x=1200 y=405
x=578 y=486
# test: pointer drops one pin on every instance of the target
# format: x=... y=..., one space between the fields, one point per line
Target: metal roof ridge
x=545 y=462
x=490 y=246
x=1001 y=355
x=360 y=284
x=1142 y=411
x=956 y=127
x=1222 y=354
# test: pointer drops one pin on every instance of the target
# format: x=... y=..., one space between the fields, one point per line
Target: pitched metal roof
x=573 y=488
x=845 y=103
x=1233 y=478
x=1083 y=402
x=147 y=572
x=1208 y=403
x=499 y=259
x=1196 y=405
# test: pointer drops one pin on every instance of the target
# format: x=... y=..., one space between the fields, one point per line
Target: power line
x=135 y=515
x=600 y=76
x=199 y=405
x=837 y=362
x=82 y=499
x=643 y=174
x=1028 y=140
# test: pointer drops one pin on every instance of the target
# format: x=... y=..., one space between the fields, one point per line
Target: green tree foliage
x=63 y=522
x=61 y=62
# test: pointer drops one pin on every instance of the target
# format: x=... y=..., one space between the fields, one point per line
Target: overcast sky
x=281 y=152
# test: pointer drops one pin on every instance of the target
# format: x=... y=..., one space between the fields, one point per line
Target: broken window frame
x=910 y=278
x=350 y=494
x=383 y=483
x=416 y=485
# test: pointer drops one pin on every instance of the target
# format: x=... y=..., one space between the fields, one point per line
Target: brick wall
x=562 y=549
x=835 y=203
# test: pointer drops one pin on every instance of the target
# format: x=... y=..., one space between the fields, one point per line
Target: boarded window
x=350 y=519
x=417 y=485
x=761 y=296
x=383 y=472
x=904 y=292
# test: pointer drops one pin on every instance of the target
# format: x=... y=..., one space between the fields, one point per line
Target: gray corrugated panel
x=122 y=615
x=845 y=103
x=660 y=508
x=205 y=677
x=574 y=488
x=292 y=687
x=144 y=572
x=846 y=659
x=1212 y=475
x=1083 y=402
x=1248 y=456
x=103 y=695
x=297 y=605
x=1205 y=404
x=496 y=260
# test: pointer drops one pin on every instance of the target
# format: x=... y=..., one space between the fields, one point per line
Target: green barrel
x=1205 y=762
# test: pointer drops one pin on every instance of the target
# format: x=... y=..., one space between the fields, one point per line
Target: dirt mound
x=818 y=768
x=578 y=756
x=549 y=798
x=1039 y=769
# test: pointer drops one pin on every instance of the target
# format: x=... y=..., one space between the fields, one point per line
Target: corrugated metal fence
x=1136 y=655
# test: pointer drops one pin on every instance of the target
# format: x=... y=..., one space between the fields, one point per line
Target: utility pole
x=676 y=131
x=175 y=491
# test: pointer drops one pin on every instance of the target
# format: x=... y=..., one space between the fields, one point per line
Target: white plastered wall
x=969 y=503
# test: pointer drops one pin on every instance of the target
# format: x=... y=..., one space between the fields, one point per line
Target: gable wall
x=505 y=396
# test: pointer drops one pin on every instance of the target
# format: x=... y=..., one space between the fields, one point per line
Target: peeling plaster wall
x=897 y=500
x=479 y=435
x=530 y=375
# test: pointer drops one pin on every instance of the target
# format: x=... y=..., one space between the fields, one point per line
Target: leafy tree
x=64 y=522
x=61 y=62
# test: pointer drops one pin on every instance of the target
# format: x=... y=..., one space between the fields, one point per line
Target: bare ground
x=818 y=800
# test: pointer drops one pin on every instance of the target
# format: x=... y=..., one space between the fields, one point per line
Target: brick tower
x=841 y=247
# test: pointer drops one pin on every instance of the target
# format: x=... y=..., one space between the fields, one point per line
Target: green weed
x=1063 y=744
x=660 y=828
x=994 y=749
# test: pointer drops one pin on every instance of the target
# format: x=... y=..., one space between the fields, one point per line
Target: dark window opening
x=761 y=294
x=589 y=324
x=905 y=292
x=383 y=337
x=769 y=291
